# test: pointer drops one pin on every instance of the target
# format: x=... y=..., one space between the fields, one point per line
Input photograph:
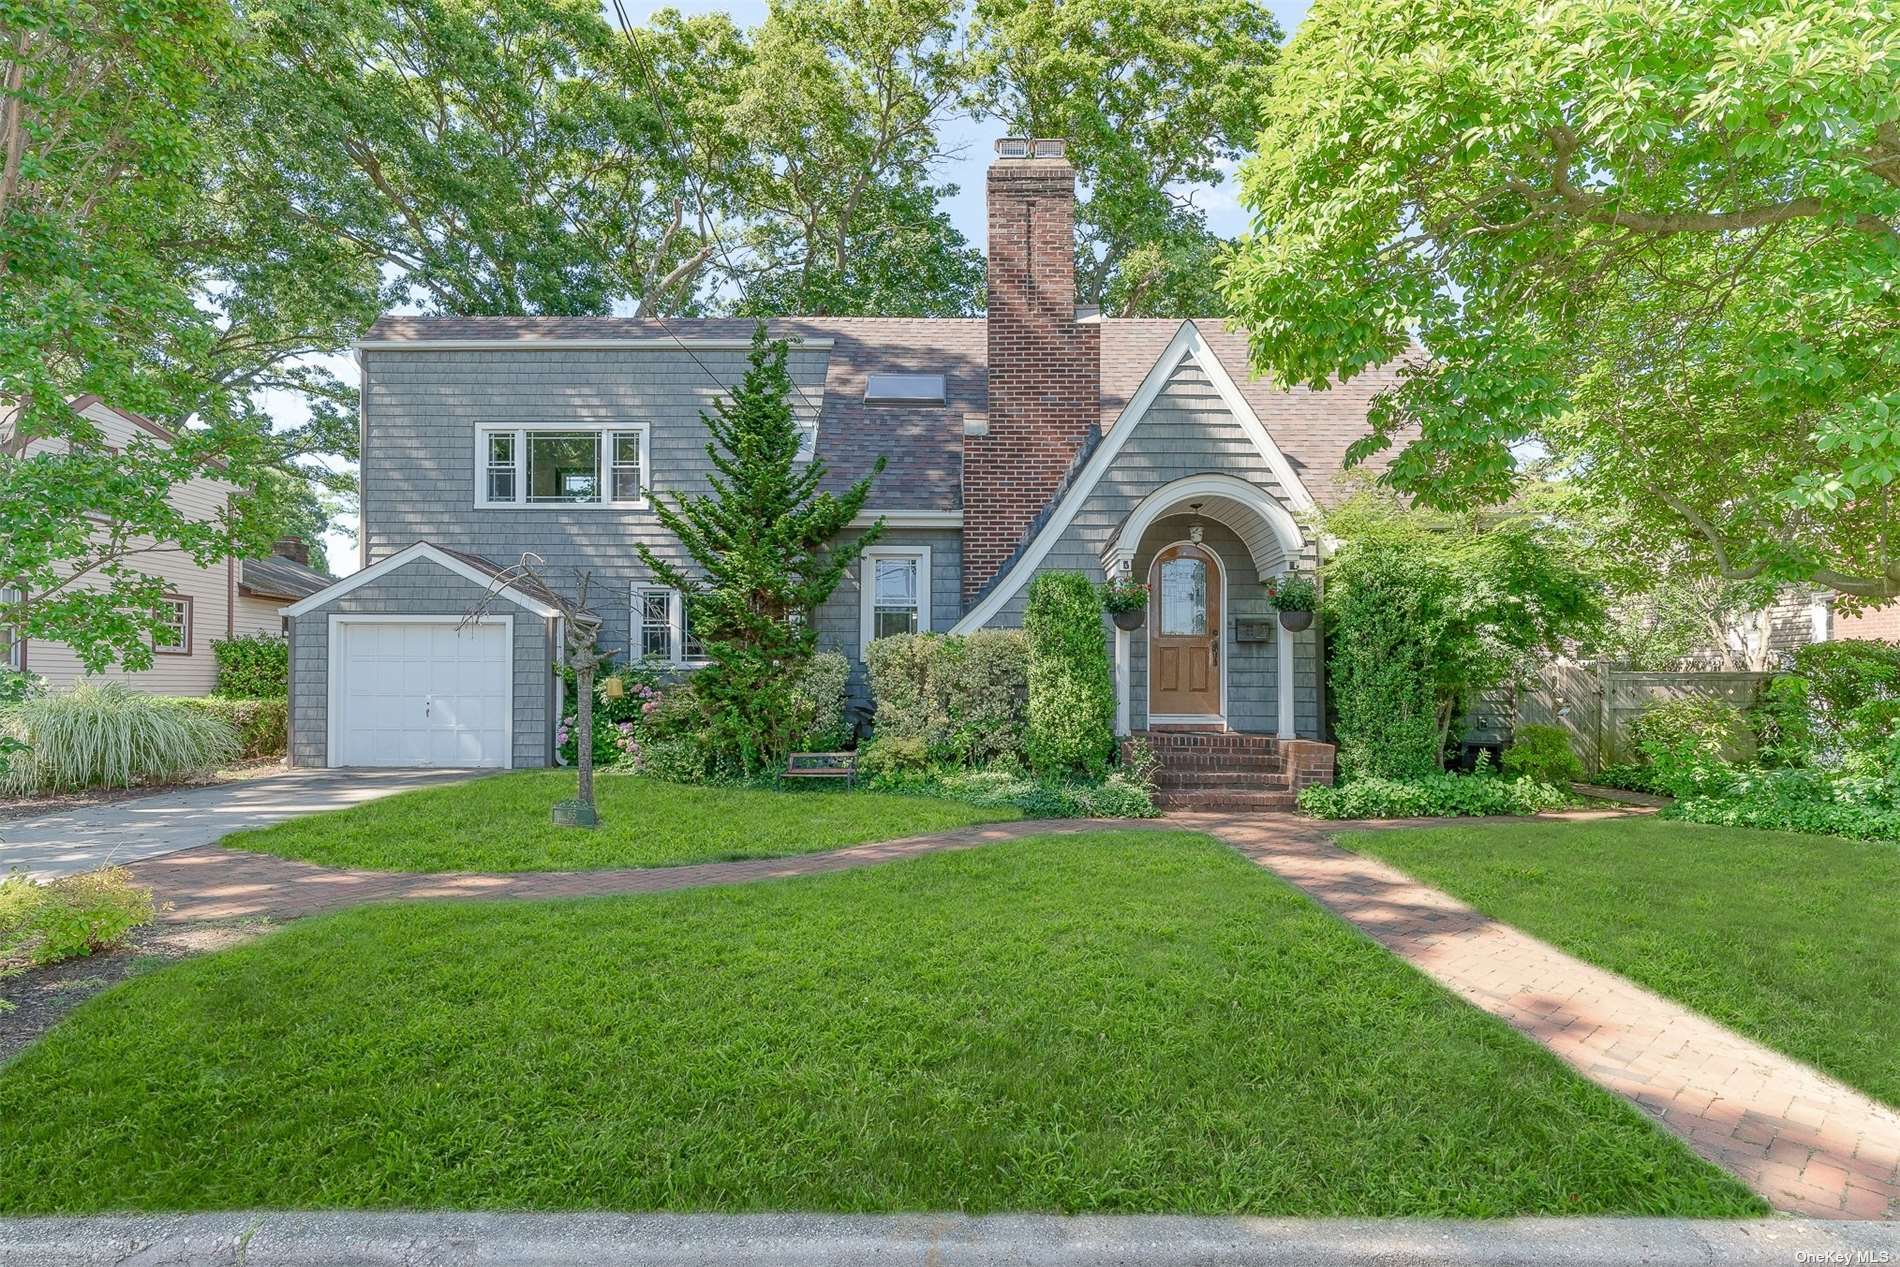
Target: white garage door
x=420 y=694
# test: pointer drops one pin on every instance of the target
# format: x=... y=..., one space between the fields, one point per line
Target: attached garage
x=425 y=659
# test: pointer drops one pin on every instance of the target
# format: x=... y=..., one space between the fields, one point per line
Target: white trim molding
x=1187 y=342
x=333 y=670
x=1170 y=498
x=403 y=558
x=562 y=343
x=867 y=578
x=909 y=518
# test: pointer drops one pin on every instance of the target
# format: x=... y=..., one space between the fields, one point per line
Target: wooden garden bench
x=823 y=765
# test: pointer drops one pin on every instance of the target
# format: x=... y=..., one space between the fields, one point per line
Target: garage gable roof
x=523 y=593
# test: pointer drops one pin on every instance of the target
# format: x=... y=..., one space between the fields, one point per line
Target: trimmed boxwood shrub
x=1071 y=691
x=1431 y=796
x=965 y=698
x=254 y=666
x=1542 y=754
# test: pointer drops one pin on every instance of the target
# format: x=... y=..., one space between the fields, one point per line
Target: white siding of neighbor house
x=255 y=615
x=211 y=590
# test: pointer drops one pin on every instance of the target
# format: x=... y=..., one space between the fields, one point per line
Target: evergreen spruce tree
x=766 y=542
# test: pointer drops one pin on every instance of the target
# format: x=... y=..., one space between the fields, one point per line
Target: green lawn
x=1132 y=1021
x=1793 y=940
x=501 y=823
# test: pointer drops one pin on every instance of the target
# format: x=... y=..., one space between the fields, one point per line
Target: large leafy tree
x=102 y=148
x=766 y=543
x=1153 y=96
x=1658 y=241
x=840 y=106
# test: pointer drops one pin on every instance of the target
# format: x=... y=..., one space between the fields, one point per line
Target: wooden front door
x=1184 y=634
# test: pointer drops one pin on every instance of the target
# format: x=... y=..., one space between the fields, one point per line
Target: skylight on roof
x=914 y=389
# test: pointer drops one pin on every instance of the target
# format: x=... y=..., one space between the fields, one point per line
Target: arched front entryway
x=1187 y=672
x=1240 y=535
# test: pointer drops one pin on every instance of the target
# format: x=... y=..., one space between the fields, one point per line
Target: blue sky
x=968 y=142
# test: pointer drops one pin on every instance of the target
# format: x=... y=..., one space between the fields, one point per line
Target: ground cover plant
x=501 y=824
x=69 y=918
x=1789 y=939
x=1135 y=1021
x=1432 y=796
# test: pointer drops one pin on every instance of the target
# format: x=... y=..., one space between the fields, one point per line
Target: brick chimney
x=295 y=549
x=1044 y=367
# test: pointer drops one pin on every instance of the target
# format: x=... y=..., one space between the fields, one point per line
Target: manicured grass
x=1135 y=1021
x=1793 y=940
x=501 y=824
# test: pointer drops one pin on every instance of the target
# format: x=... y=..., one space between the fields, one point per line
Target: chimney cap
x=1032 y=147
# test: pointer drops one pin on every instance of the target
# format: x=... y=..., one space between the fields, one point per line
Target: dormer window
x=904 y=389
x=562 y=464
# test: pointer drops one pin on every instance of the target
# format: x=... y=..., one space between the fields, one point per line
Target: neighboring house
x=1035 y=439
x=203 y=604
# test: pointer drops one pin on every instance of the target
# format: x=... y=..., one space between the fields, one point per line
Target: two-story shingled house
x=1036 y=438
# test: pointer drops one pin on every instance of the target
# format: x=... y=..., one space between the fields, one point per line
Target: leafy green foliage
x=1426 y=611
x=622 y=723
x=71 y=917
x=1124 y=594
x=1787 y=939
x=108 y=736
x=1658 y=240
x=767 y=546
x=1150 y=94
x=1542 y=754
x=1631 y=776
x=818 y=703
x=1036 y=1025
x=252 y=666
x=501 y=824
x=1692 y=743
x=964 y=697
x=262 y=725
x=1795 y=800
x=1071 y=693
x=1004 y=784
x=1294 y=592
x=1433 y=795
x=1853 y=694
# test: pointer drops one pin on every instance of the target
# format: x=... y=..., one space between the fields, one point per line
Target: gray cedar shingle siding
x=1188 y=430
x=421 y=587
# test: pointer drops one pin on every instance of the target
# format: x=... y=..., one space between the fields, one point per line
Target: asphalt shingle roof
x=924 y=443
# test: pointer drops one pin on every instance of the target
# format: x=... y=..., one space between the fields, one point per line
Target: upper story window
x=896 y=592
x=807 y=440
x=173 y=633
x=562 y=464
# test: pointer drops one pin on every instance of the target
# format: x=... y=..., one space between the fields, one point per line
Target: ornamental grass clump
x=109 y=736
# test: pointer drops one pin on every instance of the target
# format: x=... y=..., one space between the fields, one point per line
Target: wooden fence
x=1596 y=703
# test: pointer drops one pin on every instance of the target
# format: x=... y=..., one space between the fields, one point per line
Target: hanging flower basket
x=1294 y=596
x=1126 y=601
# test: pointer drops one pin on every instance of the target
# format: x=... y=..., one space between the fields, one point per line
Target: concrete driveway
x=65 y=842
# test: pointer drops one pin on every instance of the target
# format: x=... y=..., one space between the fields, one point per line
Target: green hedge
x=262 y=725
x=1071 y=691
x=963 y=698
x=1431 y=796
x=255 y=666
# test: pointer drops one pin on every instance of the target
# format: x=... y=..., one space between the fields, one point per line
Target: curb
x=951 y=1240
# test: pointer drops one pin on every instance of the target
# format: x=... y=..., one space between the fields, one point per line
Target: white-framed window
x=895 y=584
x=807 y=440
x=663 y=626
x=173 y=634
x=562 y=464
x=12 y=645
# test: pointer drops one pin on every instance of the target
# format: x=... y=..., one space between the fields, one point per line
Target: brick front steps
x=1233 y=771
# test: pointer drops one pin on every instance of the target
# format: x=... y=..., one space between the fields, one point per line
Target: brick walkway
x=216 y=883
x=1806 y=1143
